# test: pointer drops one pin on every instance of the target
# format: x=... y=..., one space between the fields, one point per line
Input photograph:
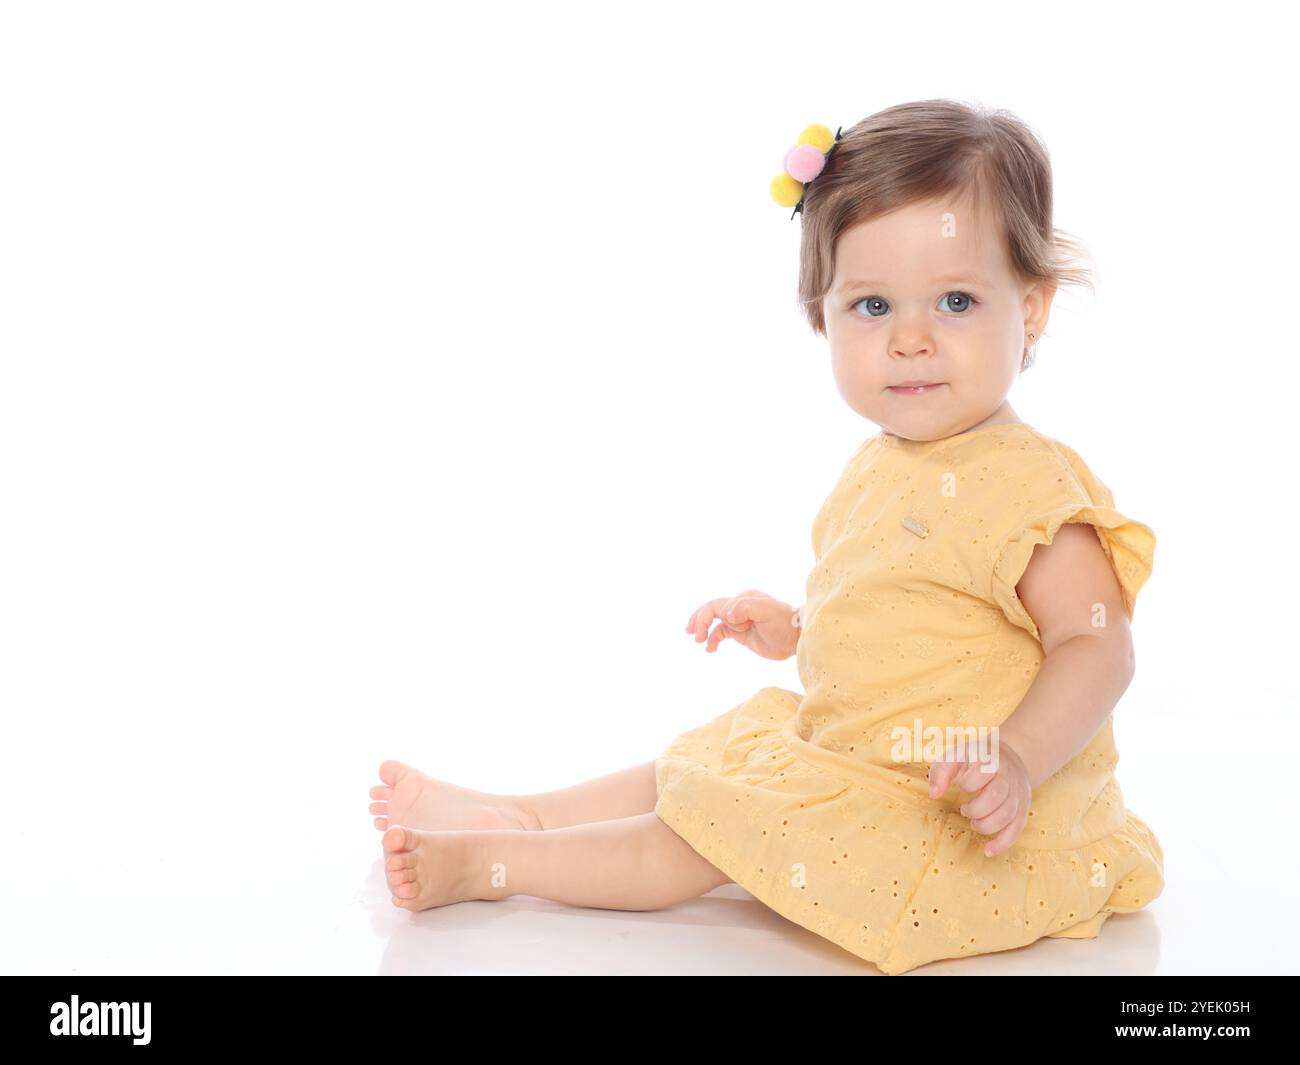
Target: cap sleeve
x=1128 y=544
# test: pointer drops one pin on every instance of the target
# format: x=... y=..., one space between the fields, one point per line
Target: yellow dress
x=911 y=621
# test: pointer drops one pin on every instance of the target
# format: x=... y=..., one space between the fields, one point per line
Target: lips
x=914 y=388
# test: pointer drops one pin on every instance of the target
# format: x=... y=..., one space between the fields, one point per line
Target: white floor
x=116 y=870
x=1216 y=917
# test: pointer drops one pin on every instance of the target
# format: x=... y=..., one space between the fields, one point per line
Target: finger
x=694 y=621
x=735 y=611
x=731 y=608
x=972 y=776
x=740 y=614
x=990 y=797
x=938 y=785
x=995 y=822
x=948 y=770
x=753 y=609
x=721 y=631
x=941 y=774
x=700 y=621
x=941 y=777
x=760 y=607
x=704 y=618
x=1003 y=840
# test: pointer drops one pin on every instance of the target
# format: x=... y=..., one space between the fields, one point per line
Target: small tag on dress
x=914 y=526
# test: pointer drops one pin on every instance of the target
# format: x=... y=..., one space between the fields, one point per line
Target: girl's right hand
x=753 y=618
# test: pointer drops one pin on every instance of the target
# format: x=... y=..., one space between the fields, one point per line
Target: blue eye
x=875 y=301
x=880 y=307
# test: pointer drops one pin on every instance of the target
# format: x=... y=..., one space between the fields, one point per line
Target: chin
x=916 y=429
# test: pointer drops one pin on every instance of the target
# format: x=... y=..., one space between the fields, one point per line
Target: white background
x=393 y=380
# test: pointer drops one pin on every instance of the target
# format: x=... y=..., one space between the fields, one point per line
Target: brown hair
x=927 y=150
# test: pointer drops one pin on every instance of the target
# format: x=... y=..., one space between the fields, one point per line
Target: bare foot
x=408 y=797
x=427 y=869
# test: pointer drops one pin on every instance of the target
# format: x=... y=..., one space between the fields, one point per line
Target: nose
x=910 y=340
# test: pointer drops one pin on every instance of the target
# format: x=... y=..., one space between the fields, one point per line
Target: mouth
x=914 y=388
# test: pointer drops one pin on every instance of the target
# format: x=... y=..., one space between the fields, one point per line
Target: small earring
x=1031 y=336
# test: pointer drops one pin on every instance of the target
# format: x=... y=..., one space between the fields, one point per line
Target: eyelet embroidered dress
x=912 y=621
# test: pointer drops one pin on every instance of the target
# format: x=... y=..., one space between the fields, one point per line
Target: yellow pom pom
x=785 y=190
x=817 y=134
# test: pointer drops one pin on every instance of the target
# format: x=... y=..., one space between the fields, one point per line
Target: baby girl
x=944 y=785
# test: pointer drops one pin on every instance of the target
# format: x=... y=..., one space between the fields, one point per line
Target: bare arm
x=1074 y=598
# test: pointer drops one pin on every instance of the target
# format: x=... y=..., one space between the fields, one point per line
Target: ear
x=1038 y=305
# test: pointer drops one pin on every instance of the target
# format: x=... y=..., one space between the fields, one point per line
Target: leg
x=410 y=798
x=625 y=793
x=632 y=863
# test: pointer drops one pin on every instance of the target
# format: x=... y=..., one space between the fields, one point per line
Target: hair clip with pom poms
x=802 y=163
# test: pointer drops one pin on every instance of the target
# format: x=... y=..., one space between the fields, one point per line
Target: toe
x=406 y=891
x=401 y=876
x=381 y=791
x=391 y=772
x=398 y=838
x=381 y=823
x=379 y=807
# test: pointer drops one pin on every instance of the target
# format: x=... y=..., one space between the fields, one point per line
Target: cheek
x=842 y=370
x=852 y=373
x=986 y=342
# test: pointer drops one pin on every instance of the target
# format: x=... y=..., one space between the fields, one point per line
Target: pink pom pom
x=804 y=162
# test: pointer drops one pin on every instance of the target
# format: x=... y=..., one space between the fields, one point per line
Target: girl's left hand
x=1001 y=805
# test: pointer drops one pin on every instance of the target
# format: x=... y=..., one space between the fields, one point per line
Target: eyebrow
x=947 y=279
